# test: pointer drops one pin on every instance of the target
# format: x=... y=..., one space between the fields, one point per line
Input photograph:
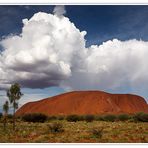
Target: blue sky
x=102 y=23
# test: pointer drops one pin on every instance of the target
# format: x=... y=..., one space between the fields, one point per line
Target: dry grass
x=76 y=132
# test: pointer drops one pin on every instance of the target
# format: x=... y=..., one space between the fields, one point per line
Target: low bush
x=55 y=127
x=99 y=118
x=73 y=118
x=52 y=118
x=111 y=118
x=89 y=118
x=97 y=132
x=81 y=117
x=1 y=115
x=142 y=117
x=123 y=117
x=60 y=117
x=10 y=116
x=35 y=117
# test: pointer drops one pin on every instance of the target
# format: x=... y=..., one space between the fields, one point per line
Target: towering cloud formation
x=59 y=10
x=44 y=54
x=51 y=51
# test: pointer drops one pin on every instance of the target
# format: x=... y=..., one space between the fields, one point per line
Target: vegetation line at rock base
x=39 y=117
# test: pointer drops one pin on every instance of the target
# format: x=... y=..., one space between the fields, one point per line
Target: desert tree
x=14 y=94
x=5 y=110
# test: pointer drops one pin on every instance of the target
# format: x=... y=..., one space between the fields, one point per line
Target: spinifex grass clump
x=97 y=132
x=56 y=127
x=143 y=117
x=123 y=117
x=35 y=117
x=89 y=118
x=72 y=118
x=111 y=118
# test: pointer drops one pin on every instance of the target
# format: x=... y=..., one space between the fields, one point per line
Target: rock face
x=86 y=102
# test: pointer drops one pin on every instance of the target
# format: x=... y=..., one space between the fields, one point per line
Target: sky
x=54 y=49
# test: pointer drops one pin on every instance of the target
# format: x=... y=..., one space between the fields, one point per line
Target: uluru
x=86 y=102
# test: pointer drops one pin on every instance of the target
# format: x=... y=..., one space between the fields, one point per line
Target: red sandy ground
x=86 y=102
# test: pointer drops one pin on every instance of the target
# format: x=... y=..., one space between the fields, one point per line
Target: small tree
x=5 y=109
x=14 y=94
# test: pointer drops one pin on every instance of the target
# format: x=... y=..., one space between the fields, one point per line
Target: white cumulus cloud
x=44 y=53
x=51 y=51
x=112 y=65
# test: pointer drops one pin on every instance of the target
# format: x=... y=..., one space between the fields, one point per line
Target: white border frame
x=74 y=2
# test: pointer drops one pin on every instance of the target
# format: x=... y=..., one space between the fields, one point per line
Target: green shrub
x=111 y=118
x=89 y=118
x=34 y=117
x=97 y=132
x=10 y=116
x=55 y=127
x=1 y=115
x=52 y=118
x=60 y=117
x=72 y=118
x=143 y=117
x=123 y=117
x=81 y=117
x=99 y=118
